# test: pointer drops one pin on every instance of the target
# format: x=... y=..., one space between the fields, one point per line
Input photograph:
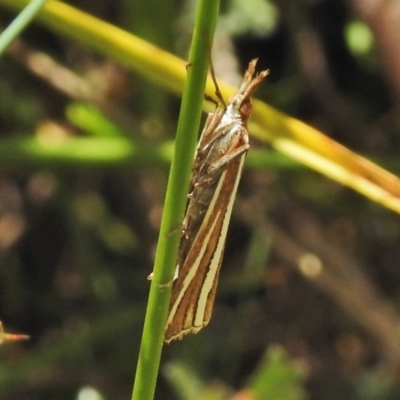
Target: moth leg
x=215 y=169
x=211 y=100
x=161 y=285
x=214 y=134
x=179 y=228
x=164 y=285
x=209 y=119
x=223 y=162
x=210 y=128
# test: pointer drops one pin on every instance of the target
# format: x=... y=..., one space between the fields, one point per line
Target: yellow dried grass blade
x=10 y=337
x=288 y=135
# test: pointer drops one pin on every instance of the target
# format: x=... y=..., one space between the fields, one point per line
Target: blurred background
x=308 y=301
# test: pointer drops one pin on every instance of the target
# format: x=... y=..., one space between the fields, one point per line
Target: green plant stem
x=167 y=248
x=20 y=23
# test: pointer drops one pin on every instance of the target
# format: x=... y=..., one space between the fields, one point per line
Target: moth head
x=241 y=105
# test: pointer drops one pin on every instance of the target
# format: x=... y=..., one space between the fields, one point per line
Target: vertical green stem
x=167 y=248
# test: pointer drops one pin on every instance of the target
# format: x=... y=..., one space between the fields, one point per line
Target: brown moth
x=216 y=172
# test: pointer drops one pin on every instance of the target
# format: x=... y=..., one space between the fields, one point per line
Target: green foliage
x=277 y=377
x=85 y=148
x=359 y=37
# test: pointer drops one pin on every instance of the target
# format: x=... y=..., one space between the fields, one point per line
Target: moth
x=216 y=171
